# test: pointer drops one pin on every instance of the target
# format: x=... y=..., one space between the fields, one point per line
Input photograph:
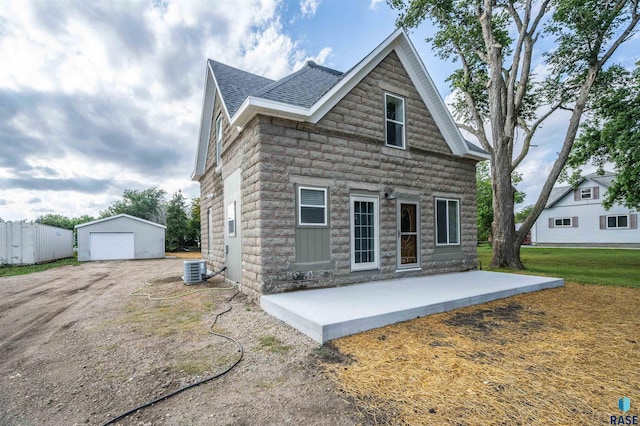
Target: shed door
x=111 y=245
x=232 y=226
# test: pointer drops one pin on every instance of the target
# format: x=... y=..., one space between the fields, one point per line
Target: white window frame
x=402 y=123
x=376 y=228
x=586 y=194
x=300 y=205
x=562 y=225
x=617 y=216
x=218 y=128
x=231 y=218
x=435 y=205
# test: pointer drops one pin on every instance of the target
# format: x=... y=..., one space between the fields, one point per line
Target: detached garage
x=120 y=237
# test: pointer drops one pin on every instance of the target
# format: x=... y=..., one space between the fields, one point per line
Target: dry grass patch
x=560 y=356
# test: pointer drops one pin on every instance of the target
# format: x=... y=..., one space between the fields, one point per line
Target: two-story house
x=577 y=217
x=325 y=178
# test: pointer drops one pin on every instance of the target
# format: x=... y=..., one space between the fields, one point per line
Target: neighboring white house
x=577 y=217
x=120 y=237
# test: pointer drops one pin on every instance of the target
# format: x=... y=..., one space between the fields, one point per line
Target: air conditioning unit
x=194 y=271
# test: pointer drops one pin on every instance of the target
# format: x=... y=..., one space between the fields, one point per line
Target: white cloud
x=373 y=5
x=108 y=95
x=319 y=59
x=309 y=7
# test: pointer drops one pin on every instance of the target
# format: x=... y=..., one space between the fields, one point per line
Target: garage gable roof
x=93 y=222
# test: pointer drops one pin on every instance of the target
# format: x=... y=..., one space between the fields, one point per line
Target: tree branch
x=530 y=133
x=635 y=18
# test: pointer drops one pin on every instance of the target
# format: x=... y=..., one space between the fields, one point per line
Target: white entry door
x=111 y=245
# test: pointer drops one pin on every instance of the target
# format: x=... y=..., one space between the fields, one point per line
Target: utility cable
x=148 y=283
x=208 y=379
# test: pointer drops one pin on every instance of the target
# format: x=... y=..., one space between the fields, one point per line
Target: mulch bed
x=559 y=356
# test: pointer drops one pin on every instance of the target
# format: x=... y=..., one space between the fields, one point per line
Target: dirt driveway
x=77 y=348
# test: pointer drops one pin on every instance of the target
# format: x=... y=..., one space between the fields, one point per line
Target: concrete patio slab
x=330 y=313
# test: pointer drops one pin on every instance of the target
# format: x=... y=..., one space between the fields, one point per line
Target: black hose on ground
x=208 y=379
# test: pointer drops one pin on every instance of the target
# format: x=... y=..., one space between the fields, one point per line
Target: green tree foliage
x=612 y=135
x=484 y=199
x=194 y=222
x=177 y=233
x=63 y=221
x=523 y=214
x=148 y=204
x=496 y=96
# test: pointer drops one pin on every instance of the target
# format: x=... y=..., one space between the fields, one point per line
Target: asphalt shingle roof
x=302 y=88
x=236 y=85
x=560 y=191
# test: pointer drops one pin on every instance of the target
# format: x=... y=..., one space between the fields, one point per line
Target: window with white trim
x=312 y=206
x=447 y=222
x=586 y=193
x=394 y=121
x=562 y=222
x=218 y=139
x=617 y=221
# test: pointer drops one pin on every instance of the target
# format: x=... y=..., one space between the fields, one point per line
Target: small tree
x=194 y=222
x=177 y=223
x=148 y=204
x=523 y=214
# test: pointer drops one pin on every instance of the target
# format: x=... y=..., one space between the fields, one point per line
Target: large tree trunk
x=506 y=251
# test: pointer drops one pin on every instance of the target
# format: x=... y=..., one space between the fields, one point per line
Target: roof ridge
x=241 y=70
x=312 y=64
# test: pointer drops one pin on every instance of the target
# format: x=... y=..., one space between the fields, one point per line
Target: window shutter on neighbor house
x=576 y=195
x=574 y=221
x=596 y=192
x=634 y=221
x=603 y=222
x=551 y=223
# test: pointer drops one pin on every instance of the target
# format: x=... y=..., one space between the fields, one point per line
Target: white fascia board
x=252 y=106
x=210 y=90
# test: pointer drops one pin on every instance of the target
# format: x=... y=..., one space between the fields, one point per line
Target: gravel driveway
x=77 y=348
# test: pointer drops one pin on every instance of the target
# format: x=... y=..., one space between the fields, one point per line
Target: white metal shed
x=23 y=243
x=120 y=237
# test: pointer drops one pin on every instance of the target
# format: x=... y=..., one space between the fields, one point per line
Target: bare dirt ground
x=77 y=349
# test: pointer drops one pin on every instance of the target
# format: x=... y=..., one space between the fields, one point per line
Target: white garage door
x=111 y=245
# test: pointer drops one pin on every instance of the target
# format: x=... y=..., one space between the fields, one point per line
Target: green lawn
x=616 y=267
x=10 y=270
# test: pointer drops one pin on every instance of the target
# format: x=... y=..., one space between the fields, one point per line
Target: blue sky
x=97 y=97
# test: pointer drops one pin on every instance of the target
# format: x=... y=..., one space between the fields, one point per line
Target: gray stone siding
x=344 y=152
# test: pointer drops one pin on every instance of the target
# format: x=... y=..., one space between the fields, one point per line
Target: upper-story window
x=586 y=193
x=218 y=139
x=394 y=118
x=562 y=222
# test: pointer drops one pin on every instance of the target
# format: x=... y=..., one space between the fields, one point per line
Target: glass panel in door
x=408 y=245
